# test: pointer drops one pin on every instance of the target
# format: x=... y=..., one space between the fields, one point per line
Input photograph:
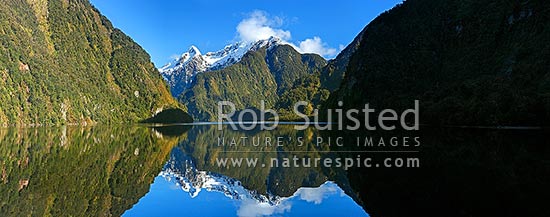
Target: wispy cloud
x=260 y=25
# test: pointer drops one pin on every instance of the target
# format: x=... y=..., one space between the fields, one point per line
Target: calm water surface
x=174 y=171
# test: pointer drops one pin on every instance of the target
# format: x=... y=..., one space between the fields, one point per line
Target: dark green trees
x=468 y=62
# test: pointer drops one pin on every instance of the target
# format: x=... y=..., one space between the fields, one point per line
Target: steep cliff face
x=63 y=62
x=468 y=62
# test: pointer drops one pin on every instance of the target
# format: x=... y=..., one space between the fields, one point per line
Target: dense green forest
x=63 y=62
x=278 y=74
x=468 y=62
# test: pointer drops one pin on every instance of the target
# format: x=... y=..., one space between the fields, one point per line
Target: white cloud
x=317 y=195
x=250 y=207
x=259 y=25
x=316 y=45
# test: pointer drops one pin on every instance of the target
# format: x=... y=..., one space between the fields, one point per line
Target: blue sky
x=165 y=198
x=168 y=28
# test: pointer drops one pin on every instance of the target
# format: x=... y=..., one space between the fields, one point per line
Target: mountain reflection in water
x=245 y=191
x=145 y=171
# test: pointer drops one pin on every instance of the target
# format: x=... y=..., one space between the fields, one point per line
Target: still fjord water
x=172 y=171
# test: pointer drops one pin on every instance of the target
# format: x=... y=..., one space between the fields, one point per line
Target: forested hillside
x=63 y=62
x=468 y=62
x=273 y=74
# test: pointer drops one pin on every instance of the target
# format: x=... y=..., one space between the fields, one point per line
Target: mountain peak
x=275 y=40
x=270 y=42
x=194 y=50
x=190 y=54
x=181 y=72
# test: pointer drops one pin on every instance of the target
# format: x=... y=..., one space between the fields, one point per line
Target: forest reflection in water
x=78 y=171
x=106 y=170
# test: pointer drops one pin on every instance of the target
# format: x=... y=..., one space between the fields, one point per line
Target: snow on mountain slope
x=181 y=171
x=181 y=72
x=193 y=181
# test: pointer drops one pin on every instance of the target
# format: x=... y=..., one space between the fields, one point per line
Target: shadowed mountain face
x=63 y=62
x=468 y=62
x=99 y=171
x=332 y=74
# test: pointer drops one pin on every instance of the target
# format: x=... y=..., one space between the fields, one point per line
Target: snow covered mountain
x=182 y=170
x=181 y=72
